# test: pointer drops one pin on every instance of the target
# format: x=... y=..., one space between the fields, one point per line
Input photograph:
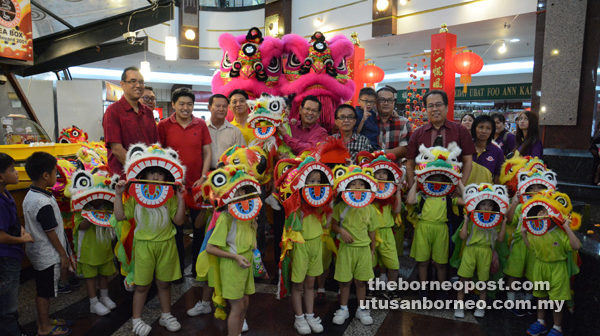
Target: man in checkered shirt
x=345 y=119
x=393 y=129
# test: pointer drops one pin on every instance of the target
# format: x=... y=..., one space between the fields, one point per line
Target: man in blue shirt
x=367 y=116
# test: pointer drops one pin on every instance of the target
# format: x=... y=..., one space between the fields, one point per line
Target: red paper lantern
x=466 y=64
x=372 y=74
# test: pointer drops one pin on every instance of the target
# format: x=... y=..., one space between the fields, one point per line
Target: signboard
x=16 y=37
x=486 y=92
x=442 y=69
x=113 y=92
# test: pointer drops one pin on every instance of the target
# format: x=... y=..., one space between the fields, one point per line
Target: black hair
x=343 y=106
x=5 y=162
x=367 y=91
x=467 y=114
x=482 y=119
x=390 y=176
x=438 y=92
x=38 y=164
x=388 y=89
x=149 y=88
x=312 y=99
x=525 y=143
x=131 y=68
x=217 y=95
x=155 y=169
x=182 y=92
x=238 y=91
x=499 y=116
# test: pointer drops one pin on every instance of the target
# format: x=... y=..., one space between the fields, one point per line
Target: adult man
x=367 y=116
x=439 y=132
x=345 y=119
x=127 y=121
x=222 y=133
x=190 y=137
x=237 y=104
x=393 y=129
x=308 y=133
x=148 y=98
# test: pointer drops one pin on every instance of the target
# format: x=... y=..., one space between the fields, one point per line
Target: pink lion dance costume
x=317 y=68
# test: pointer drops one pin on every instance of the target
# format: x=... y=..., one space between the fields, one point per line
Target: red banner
x=354 y=63
x=16 y=38
x=442 y=69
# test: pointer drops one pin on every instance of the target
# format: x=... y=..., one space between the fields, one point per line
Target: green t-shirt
x=312 y=226
x=434 y=210
x=552 y=246
x=517 y=223
x=233 y=235
x=155 y=224
x=358 y=222
x=477 y=236
x=386 y=217
x=94 y=245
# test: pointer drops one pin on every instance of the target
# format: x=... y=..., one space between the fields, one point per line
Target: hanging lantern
x=466 y=64
x=372 y=74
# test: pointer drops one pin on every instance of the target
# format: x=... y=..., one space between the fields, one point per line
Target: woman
x=528 y=141
x=505 y=139
x=467 y=120
x=488 y=157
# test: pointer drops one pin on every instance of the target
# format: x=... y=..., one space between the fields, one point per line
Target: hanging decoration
x=466 y=64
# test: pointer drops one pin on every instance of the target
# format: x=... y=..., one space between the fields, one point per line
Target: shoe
x=199 y=309
x=58 y=330
x=141 y=328
x=301 y=326
x=245 y=326
x=64 y=289
x=479 y=313
x=459 y=313
x=554 y=332
x=74 y=282
x=107 y=302
x=536 y=329
x=128 y=287
x=364 y=316
x=315 y=324
x=99 y=309
x=340 y=316
x=169 y=322
x=518 y=312
x=321 y=298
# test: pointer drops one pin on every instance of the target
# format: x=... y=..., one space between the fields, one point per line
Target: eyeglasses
x=437 y=105
x=148 y=98
x=346 y=118
x=366 y=101
x=385 y=101
x=134 y=82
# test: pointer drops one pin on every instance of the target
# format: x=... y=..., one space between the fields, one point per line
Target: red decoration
x=466 y=64
x=372 y=74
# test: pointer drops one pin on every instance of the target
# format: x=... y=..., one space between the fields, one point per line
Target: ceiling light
x=502 y=49
x=145 y=68
x=543 y=109
x=318 y=22
x=515 y=40
x=403 y=2
x=190 y=34
x=427 y=50
x=555 y=52
x=170 y=48
x=382 y=5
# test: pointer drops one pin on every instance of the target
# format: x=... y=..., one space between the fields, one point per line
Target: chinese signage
x=487 y=92
x=442 y=69
x=16 y=39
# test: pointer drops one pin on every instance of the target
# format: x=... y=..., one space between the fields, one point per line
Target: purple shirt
x=304 y=138
x=536 y=150
x=507 y=142
x=492 y=158
x=10 y=225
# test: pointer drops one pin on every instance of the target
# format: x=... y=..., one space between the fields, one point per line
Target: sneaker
x=315 y=324
x=536 y=329
x=459 y=313
x=74 y=282
x=518 y=312
x=301 y=326
x=64 y=289
x=479 y=313
x=169 y=322
x=245 y=326
x=107 y=302
x=321 y=298
x=199 y=309
x=128 y=287
x=99 y=309
x=554 y=332
x=141 y=328
x=340 y=316
x=364 y=316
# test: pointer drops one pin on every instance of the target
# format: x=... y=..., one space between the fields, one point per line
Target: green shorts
x=326 y=256
x=307 y=259
x=520 y=261
x=92 y=271
x=386 y=254
x=236 y=281
x=353 y=262
x=476 y=258
x=555 y=273
x=430 y=241
x=155 y=258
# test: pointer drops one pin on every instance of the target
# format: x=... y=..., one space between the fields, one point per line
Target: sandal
x=58 y=331
x=61 y=322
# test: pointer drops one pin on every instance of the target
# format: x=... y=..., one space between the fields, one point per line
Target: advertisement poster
x=16 y=37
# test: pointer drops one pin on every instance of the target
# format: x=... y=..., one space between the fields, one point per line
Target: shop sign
x=16 y=38
x=487 y=92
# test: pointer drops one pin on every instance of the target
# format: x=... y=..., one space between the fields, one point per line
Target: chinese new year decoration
x=466 y=64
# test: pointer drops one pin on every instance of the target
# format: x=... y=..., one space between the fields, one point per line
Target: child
x=366 y=116
x=550 y=250
x=12 y=238
x=48 y=251
x=477 y=255
x=356 y=228
x=232 y=242
x=95 y=258
x=154 y=248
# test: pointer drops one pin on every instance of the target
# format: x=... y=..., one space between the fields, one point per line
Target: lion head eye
x=219 y=179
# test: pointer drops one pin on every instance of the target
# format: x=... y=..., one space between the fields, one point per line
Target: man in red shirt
x=439 y=132
x=190 y=137
x=127 y=121
x=308 y=132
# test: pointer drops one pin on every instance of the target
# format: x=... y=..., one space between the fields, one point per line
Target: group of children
x=362 y=216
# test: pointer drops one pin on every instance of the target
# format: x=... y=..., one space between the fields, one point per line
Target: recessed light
x=427 y=50
x=514 y=40
x=555 y=52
